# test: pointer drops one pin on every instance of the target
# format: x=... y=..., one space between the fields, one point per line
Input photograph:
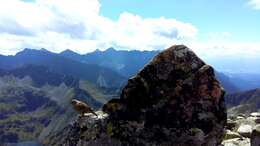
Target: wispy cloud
x=255 y=4
x=62 y=24
x=232 y=57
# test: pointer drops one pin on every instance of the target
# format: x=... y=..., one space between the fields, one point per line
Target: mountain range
x=128 y=63
x=101 y=76
x=110 y=68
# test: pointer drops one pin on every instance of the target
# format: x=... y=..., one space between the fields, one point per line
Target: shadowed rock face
x=174 y=100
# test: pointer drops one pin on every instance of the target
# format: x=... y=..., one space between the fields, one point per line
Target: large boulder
x=245 y=130
x=172 y=100
x=255 y=117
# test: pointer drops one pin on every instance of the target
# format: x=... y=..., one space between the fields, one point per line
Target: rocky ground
x=243 y=130
x=240 y=131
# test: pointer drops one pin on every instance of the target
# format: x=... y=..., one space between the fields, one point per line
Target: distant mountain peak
x=97 y=50
x=68 y=51
x=30 y=50
x=111 y=49
x=44 y=50
x=25 y=50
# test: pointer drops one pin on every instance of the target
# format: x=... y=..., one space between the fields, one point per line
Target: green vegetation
x=35 y=103
x=25 y=109
x=110 y=129
x=93 y=91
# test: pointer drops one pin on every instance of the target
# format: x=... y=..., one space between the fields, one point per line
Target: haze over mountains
x=127 y=63
x=98 y=75
x=111 y=68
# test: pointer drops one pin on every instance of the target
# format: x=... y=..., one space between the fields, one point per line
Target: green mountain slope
x=35 y=102
x=243 y=102
x=24 y=111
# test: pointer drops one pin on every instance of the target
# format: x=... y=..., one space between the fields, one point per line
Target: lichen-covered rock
x=174 y=94
x=87 y=130
x=174 y=100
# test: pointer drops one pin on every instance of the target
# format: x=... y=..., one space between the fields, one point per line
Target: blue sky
x=217 y=30
x=234 y=16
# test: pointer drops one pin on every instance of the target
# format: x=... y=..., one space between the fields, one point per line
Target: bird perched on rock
x=82 y=107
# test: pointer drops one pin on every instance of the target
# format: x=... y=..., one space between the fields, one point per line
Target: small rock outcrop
x=173 y=100
x=245 y=130
x=255 y=137
x=237 y=142
x=231 y=135
x=242 y=130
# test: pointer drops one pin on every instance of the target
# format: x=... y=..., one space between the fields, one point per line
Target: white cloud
x=135 y=32
x=230 y=57
x=62 y=24
x=226 y=49
x=221 y=51
x=255 y=4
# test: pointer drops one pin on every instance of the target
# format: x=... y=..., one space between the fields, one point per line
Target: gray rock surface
x=243 y=131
